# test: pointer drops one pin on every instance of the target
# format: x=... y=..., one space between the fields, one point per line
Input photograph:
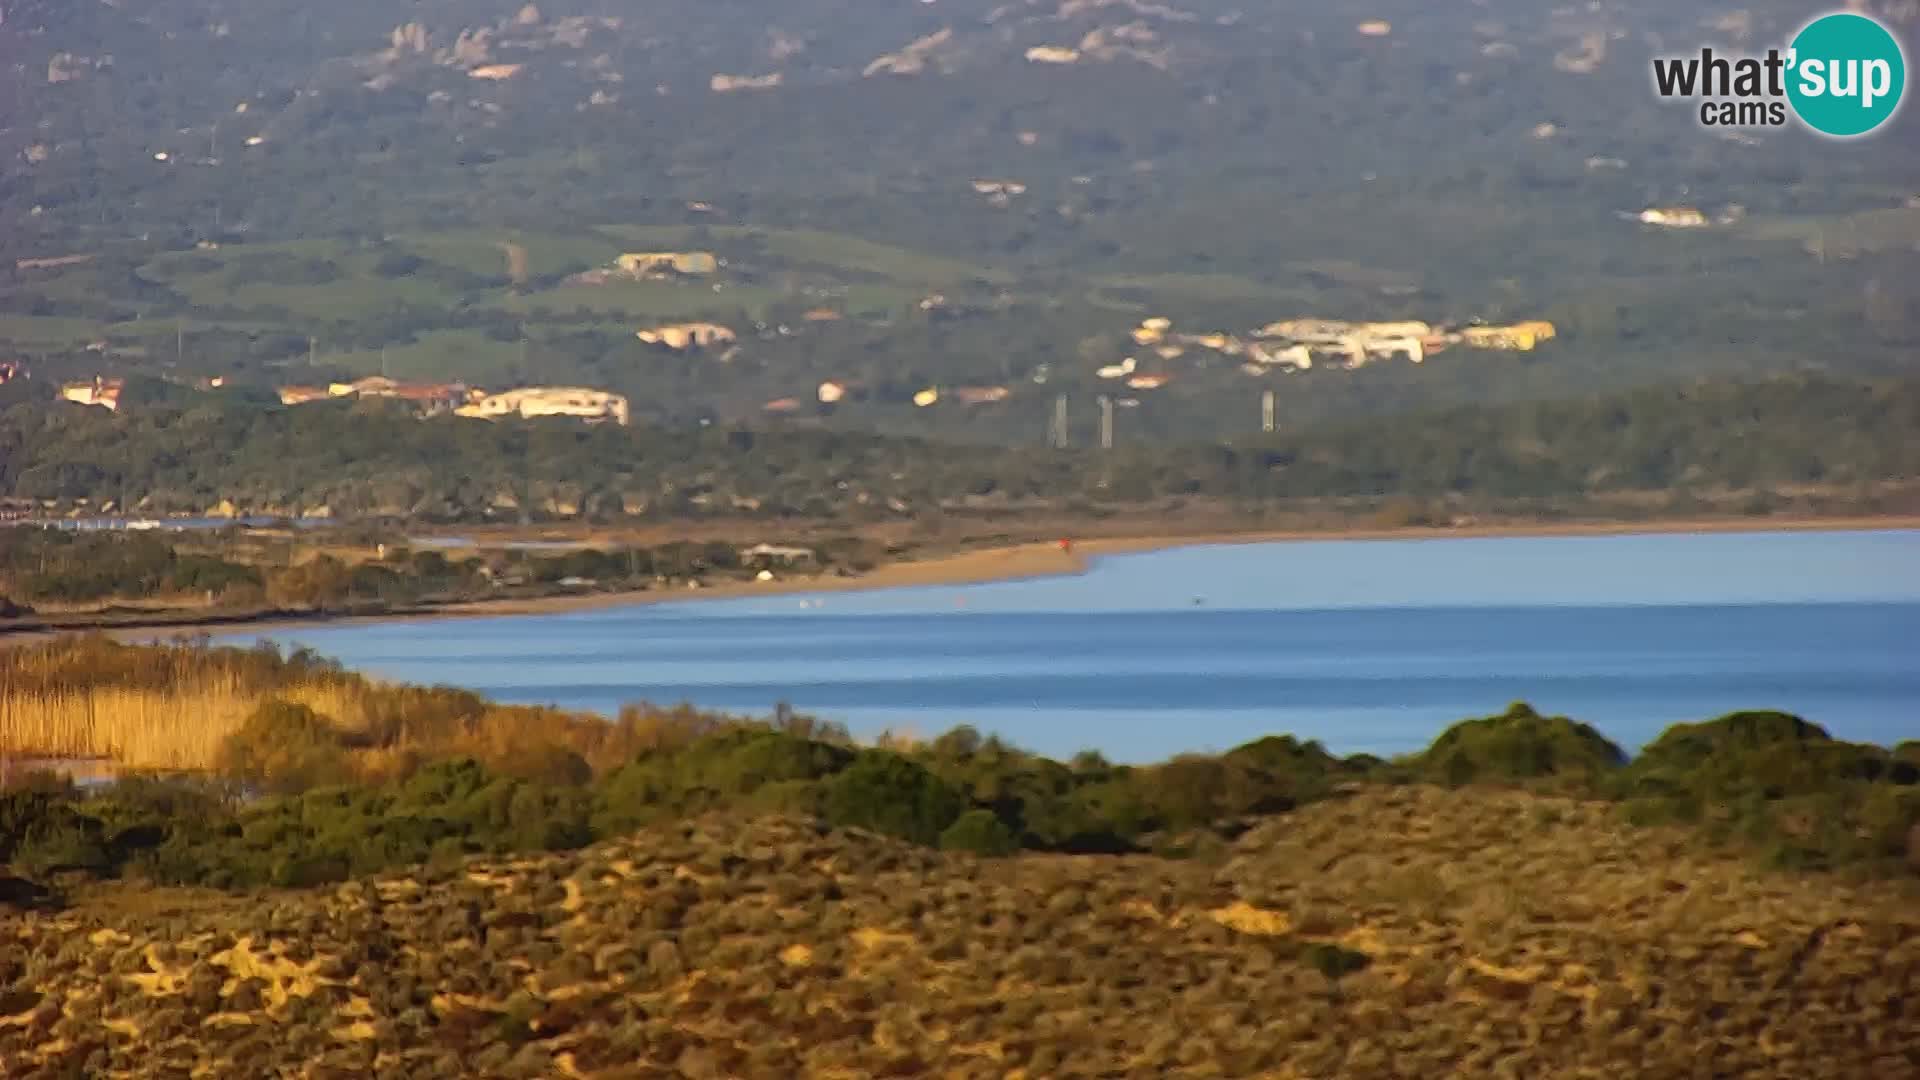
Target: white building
x=102 y=392
x=1676 y=217
x=532 y=401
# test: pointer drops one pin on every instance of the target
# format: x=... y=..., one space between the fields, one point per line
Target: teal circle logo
x=1847 y=75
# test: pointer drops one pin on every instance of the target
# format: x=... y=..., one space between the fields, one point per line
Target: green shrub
x=1519 y=746
x=1186 y=792
x=1780 y=784
x=888 y=793
x=283 y=748
x=1112 y=813
x=1031 y=796
x=306 y=871
x=1267 y=776
x=76 y=846
x=448 y=809
x=1334 y=962
x=45 y=832
x=749 y=764
x=1773 y=755
x=979 y=832
x=29 y=812
x=554 y=765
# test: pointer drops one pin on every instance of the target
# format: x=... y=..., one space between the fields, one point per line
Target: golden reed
x=172 y=707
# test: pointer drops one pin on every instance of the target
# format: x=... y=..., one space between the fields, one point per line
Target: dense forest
x=1767 y=441
x=277 y=194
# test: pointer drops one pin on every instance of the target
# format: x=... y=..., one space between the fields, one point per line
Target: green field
x=877 y=301
x=814 y=248
x=437 y=355
x=482 y=251
x=228 y=278
x=1214 y=287
x=643 y=301
x=288 y=287
x=33 y=331
x=1841 y=236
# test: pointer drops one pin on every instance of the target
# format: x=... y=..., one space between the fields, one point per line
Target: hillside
x=900 y=197
x=1396 y=933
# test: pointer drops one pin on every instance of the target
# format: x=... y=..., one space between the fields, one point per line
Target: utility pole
x=312 y=343
x=179 y=339
x=1106 y=422
x=1266 y=411
x=1059 y=433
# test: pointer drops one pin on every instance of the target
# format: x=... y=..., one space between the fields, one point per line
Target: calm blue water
x=1366 y=645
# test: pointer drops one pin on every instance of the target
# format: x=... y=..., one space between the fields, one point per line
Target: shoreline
x=1013 y=562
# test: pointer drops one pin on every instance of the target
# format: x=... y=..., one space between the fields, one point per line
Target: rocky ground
x=1400 y=932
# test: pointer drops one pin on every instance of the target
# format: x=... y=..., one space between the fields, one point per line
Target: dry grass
x=1494 y=946
x=138 y=729
x=173 y=707
x=159 y=708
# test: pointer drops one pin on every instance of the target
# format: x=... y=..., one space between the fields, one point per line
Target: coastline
x=1013 y=562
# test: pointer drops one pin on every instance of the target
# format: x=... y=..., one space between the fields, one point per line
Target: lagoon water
x=1365 y=645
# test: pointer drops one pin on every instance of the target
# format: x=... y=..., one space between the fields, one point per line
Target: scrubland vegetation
x=53 y=577
x=416 y=882
x=286 y=770
x=1399 y=932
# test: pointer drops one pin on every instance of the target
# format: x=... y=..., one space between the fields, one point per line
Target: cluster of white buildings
x=579 y=402
x=1296 y=345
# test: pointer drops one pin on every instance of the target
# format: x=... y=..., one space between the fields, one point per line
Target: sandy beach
x=1008 y=563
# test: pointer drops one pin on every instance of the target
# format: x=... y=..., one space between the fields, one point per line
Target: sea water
x=1370 y=646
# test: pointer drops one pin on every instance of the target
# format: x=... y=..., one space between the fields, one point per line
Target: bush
x=1267 y=776
x=450 y=808
x=72 y=843
x=398 y=264
x=888 y=793
x=283 y=748
x=1519 y=746
x=1781 y=783
x=27 y=814
x=1186 y=792
x=1769 y=754
x=1334 y=962
x=769 y=769
x=979 y=832
x=552 y=765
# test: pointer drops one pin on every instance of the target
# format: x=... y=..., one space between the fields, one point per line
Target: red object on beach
x=1066 y=545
